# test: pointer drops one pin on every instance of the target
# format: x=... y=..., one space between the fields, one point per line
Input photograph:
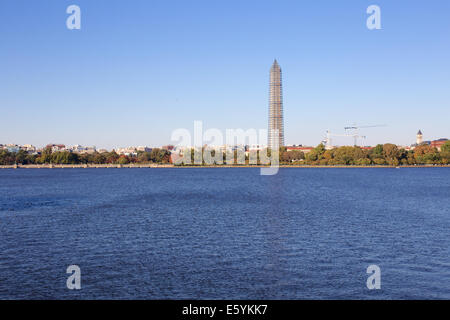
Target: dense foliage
x=387 y=154
x=159 y=156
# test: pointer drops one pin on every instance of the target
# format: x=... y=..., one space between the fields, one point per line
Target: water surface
x=225 y=233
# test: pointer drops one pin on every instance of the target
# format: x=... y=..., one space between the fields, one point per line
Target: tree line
x=158 y=156
x=382 y=154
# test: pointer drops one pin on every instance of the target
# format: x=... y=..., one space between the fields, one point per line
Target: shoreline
x=119 y=166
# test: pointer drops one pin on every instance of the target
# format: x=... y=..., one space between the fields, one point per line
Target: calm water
x=225 y=233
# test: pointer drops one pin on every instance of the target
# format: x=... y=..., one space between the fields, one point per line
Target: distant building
x=77 y=149
x=89 y=150
x=13 y=148
x=438 y=143
x=254 y=147
x=28 y=148
x=419 y=138
x=168 y=148
x=56 y=147
x=434 y=143
x=130 y=151
x=82 y=150
x=302 y=149
x=143 y=149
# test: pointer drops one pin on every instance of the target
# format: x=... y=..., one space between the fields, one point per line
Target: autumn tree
x=391 y=154
x=426 y=154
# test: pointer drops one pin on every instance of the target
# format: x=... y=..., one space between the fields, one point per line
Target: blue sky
x=137 y=70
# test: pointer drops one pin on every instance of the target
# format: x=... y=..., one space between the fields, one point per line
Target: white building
x=419 y=138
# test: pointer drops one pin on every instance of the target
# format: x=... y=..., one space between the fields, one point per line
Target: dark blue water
x=225 y=233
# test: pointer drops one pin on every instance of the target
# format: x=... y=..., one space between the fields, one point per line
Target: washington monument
x=276 y=127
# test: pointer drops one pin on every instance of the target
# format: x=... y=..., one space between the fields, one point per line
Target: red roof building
x=438 y=143
x=302 y=149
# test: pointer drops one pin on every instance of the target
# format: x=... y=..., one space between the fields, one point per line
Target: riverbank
x=115 y=166
x=77 y=166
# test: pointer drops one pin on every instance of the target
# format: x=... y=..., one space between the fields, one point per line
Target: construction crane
x=356 y=128
x=329 y=145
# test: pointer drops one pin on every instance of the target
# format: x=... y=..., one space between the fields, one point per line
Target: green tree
x=21 y=157
x=344 y=155
x=7 y=158
x=46 y=155
x=446 y=146
x=391 y=154
x=426 y=154
x=378 y=150
x=123 y=159
x=291 y=156
x=99 y=158
x=111 y=157
x=315 y=155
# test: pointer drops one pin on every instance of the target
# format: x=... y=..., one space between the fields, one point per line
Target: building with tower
x=419 y=137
